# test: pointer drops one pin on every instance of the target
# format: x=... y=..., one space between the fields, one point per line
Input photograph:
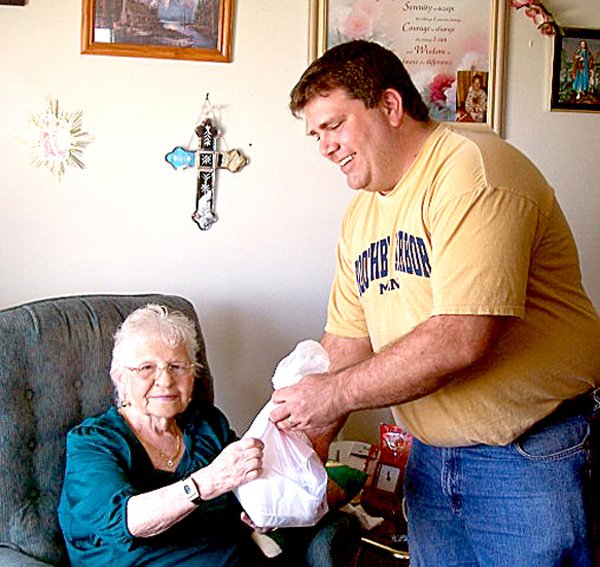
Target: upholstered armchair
x=54 y=361
x=54 y=371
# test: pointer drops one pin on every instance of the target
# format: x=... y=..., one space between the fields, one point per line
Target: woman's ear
x=391 y=103
x=118 y=380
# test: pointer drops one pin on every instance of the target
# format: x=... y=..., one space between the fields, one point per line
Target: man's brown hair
x=364 y=70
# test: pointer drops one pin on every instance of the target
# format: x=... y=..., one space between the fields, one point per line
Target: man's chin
x=354 y=185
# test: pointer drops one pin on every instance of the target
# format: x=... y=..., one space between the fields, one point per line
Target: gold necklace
x=169 y=461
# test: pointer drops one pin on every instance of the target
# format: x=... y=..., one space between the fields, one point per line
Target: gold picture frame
x=418 y=33
x=142 y=28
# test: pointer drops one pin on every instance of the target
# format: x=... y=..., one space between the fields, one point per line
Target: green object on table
x=347 y=478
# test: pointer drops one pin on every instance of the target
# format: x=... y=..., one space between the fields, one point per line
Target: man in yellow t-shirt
x=458 y=301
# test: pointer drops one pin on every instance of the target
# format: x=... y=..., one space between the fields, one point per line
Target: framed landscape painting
x=167 y=29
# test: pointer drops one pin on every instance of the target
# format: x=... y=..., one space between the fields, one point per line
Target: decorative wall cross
x=207 y=159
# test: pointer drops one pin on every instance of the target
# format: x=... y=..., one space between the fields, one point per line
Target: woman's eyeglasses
x=153 y=370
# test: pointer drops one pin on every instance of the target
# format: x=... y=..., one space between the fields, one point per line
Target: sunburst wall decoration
x=57 y=139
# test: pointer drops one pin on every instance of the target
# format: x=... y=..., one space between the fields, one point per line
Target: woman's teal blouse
x=106 y=465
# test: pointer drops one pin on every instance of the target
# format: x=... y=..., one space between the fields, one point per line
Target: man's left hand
x=314 y=402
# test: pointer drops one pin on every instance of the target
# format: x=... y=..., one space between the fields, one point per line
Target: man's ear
x=391 y=103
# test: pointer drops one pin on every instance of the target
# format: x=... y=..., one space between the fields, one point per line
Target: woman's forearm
x=154 y=512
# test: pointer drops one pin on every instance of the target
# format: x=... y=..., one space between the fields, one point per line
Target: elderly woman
x=149 y=482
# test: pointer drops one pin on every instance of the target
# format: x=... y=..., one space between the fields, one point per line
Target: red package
x=395 y=444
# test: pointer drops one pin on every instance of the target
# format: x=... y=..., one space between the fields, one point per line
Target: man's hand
x=314 y=402
x=417 y=364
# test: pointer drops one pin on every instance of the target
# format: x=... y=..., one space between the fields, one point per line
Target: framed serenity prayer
x=453 y=49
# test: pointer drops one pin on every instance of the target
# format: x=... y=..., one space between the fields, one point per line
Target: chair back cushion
x=54 y=371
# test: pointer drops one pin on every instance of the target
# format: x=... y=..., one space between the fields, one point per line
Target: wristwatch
x=190 y=490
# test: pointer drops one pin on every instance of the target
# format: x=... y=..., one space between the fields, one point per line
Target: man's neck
x=412 y=136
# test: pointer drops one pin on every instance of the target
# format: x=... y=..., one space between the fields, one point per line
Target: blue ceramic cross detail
x=206 y=159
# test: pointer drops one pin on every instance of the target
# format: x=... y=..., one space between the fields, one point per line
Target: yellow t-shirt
x=473 y=229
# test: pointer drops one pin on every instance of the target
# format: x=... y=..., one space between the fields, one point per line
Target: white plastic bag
x=292 y=489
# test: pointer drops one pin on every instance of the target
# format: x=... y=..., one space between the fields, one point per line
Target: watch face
x=387 y=478
x=190 y=490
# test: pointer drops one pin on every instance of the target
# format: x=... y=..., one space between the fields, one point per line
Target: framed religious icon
x=198 y=30
x=576 y=70
x=454 y=51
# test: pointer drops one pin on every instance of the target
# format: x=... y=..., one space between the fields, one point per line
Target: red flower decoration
x=541 y=16
x=547 y=28
x=533 y=10
x=438 y=87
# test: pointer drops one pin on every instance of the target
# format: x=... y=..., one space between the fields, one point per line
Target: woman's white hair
x=173 y=328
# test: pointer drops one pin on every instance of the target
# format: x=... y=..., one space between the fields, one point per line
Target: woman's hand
x=237 y=464
x=247 y=520
x=154 y=512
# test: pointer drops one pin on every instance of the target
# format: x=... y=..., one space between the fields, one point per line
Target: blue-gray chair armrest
x=12 y=558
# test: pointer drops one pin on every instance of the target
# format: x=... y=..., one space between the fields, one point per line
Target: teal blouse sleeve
x=96 y=486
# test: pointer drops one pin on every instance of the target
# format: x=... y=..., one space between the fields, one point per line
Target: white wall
x=565 y=145
x=260 y=277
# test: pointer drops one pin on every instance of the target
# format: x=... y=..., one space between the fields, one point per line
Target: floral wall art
x=56 y=139
x=444 y=44
x=539 y=14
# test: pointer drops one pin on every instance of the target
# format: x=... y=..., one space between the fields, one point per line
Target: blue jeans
x=516 y=505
